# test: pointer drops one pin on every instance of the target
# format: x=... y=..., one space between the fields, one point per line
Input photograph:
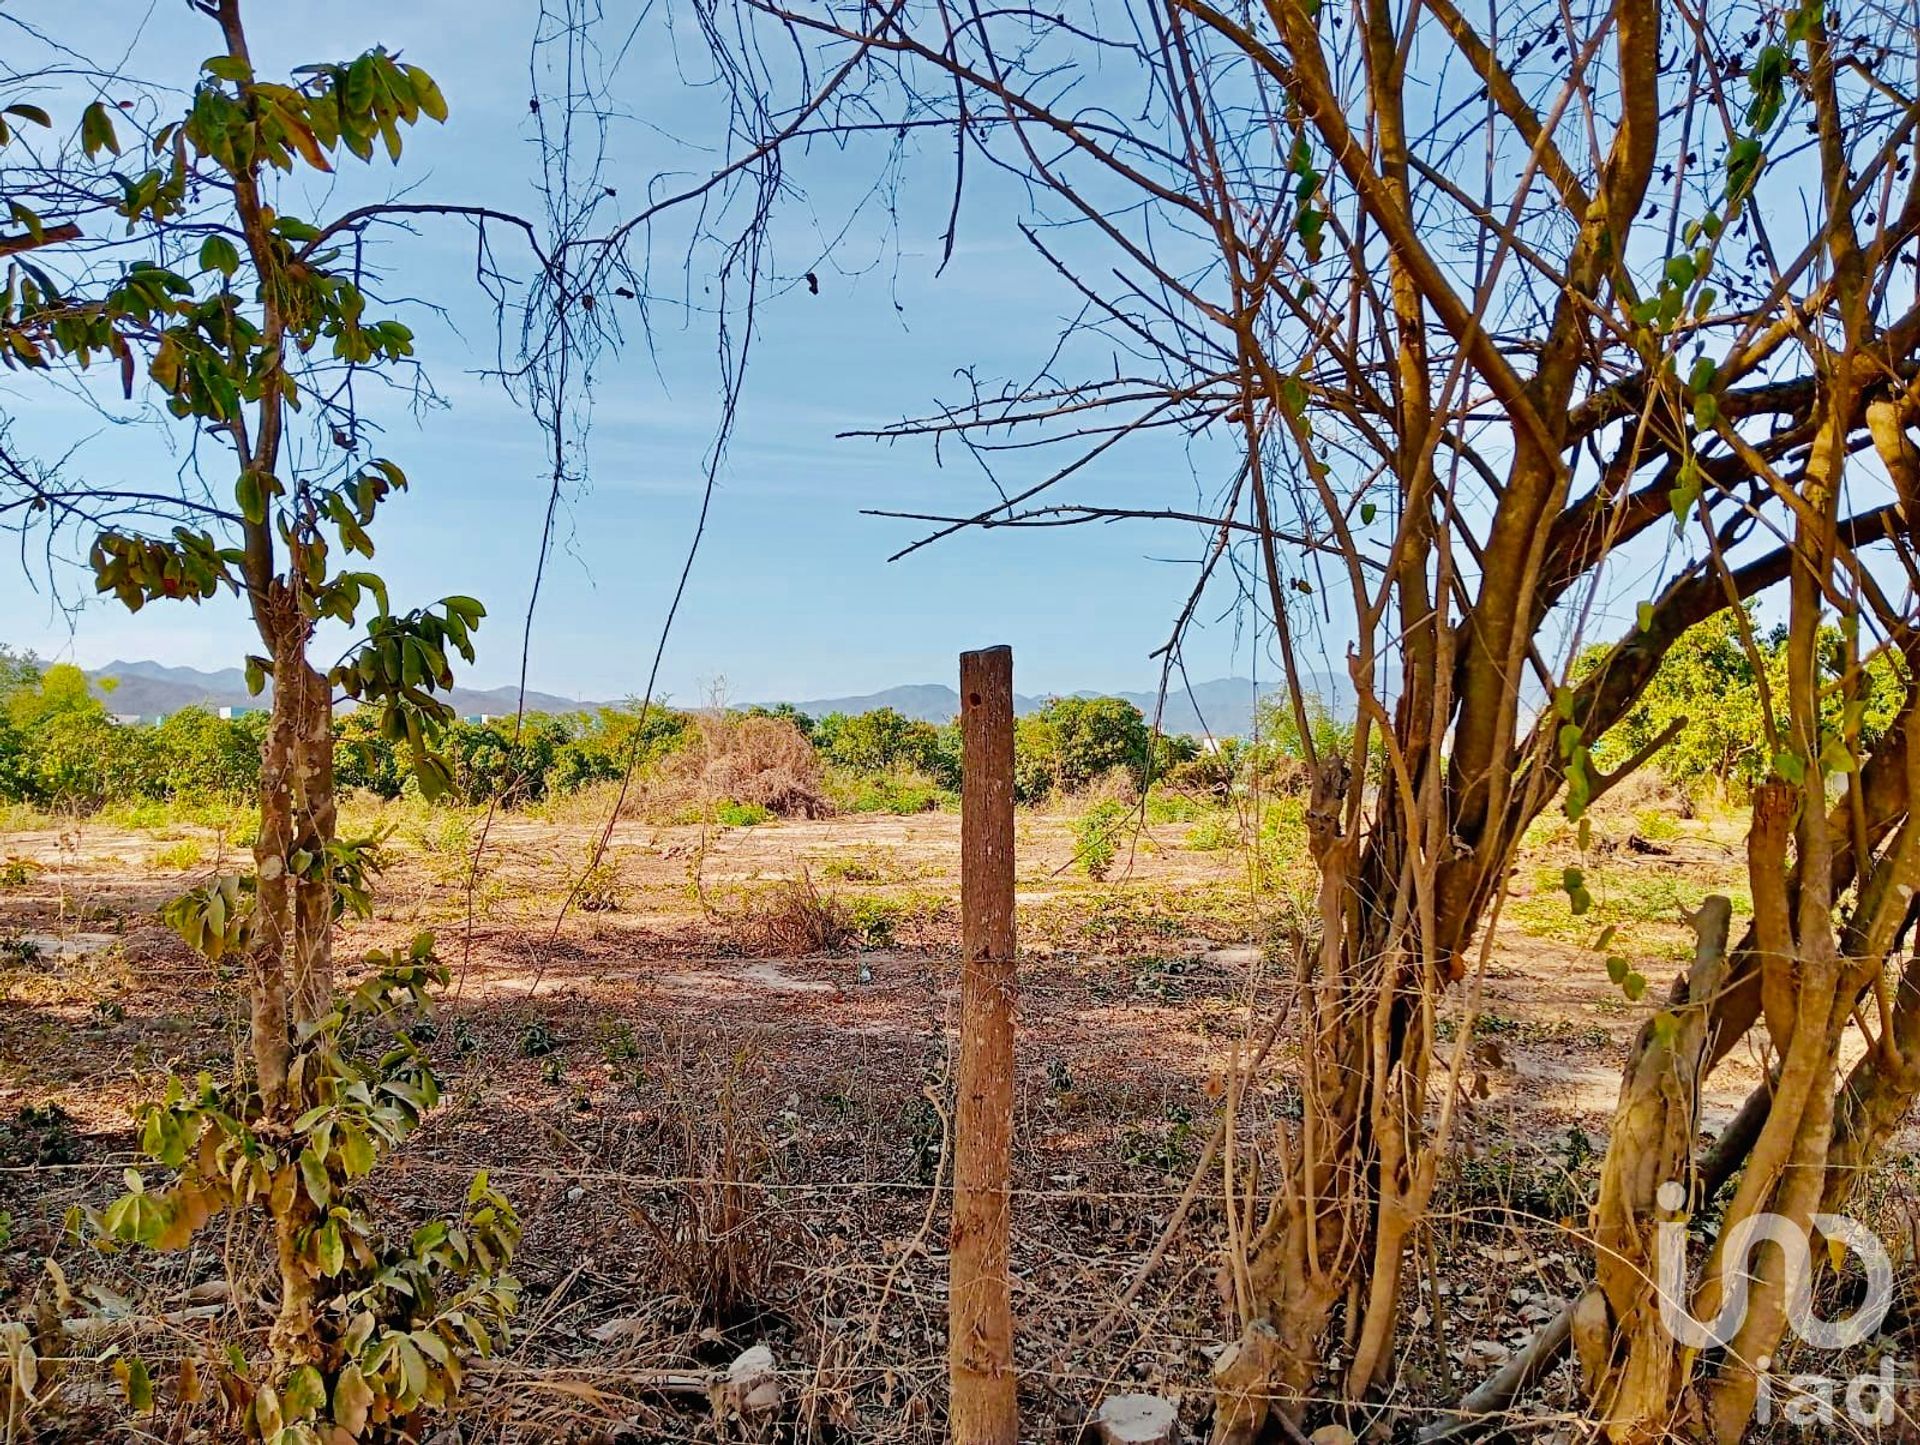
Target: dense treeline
x=61 y=747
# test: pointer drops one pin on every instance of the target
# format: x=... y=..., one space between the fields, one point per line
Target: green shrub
x=1097 y=835
x=1214 y=833
x=1073 y=740
x=899 y=792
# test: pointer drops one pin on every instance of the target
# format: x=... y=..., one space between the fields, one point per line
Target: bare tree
x=1508 y=326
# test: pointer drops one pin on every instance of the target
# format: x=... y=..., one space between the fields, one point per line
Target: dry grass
x=718 y=1230
x=761 y=761
x=793 y=918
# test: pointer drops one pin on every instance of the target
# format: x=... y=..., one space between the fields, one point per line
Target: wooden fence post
x=984 y=1406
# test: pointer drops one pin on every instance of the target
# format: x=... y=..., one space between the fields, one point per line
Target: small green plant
x=1096 y=836
x=1164 y=806
x=1516 y=1177
x=618 y=1045
x=553 y=1070
x=394 y=1321
x=598 y=890
x=873 y=921
x=538 y=1040
x=181 y=856
x=465 y=1041
x=896 y=793
x=731 y=814
x=107 y=1011
x=1161 y=977
x=1162 y=1146
x=1214 y=833
x=1656 y=825
x=17 y=872
x=21 y=951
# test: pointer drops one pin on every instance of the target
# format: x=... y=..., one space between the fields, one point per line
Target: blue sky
x=792 y=595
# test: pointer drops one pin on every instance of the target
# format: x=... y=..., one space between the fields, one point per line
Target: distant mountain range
x=149 y=689
x=1223 y=707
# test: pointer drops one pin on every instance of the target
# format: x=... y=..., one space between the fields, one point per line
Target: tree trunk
x=292 y=946
x=1629 y=1360
x=315 y=817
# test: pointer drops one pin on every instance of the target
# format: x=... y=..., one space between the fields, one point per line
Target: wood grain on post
x=984 y=1408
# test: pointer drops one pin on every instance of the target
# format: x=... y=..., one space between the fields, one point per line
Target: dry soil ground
x=714 y=1142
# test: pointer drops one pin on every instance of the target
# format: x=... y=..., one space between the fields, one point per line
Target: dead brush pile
x=763 y=761
x=794 y=918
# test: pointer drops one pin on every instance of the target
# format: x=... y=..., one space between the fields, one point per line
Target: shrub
x=901 y=793
x=1073 y=740
x=1212 y=834
x=793 y=917
x=1097 y=836
x=880 y=741
x=393 y=1323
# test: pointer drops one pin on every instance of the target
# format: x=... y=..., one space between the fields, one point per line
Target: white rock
x=753 y=1384
x=1136 y=1420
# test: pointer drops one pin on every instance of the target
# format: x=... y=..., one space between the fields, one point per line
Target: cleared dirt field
x=715 y=1140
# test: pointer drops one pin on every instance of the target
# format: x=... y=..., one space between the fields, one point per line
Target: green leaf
x=313 y=1174
x=1643 y=614
x=96 y=130
x=1686 y=488
x=304 y=1395
x=1837 y=757
x=330 y=1251
x=217 y=253
x=227 y=67
x=137 y=1381
x=432 y=102
x=356 y=1153
x=251 y=496
x=1367 y=513
x=1617 y=970
x=1635 y=986
x=1790 y=766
